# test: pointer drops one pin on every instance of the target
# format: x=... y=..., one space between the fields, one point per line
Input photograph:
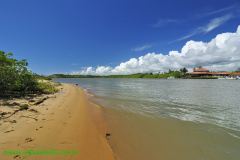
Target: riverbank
x=65 y=121
x=168 y=119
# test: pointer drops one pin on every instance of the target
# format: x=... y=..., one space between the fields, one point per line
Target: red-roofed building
x=200 y=69
x=235 y=74
x=204 y=72
x=200 y=72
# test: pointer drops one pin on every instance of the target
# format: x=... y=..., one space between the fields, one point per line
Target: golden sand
x=69 y=121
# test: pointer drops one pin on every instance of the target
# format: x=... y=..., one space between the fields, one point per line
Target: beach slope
x=66 y=121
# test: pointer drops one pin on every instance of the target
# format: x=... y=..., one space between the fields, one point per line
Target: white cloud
x=221 y=53
x=216 y=23
x=142 y=48
x=163 y=22
x=221 y=10
x=213 y=24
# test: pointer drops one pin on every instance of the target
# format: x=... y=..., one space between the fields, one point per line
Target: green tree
x=184 y=70
x=15 y=78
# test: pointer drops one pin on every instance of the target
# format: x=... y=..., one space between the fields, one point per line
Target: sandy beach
x=67 y=120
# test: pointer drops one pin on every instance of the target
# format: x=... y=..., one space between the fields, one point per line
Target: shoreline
x=136 y=136
x=65 y=121
x=167 y=138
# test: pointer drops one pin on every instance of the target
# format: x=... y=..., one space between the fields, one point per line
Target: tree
x=184 y=70
x=14 y=76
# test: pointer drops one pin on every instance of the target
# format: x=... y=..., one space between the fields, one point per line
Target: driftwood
x=41 y=101
x=22 y=107
x=30 y=117
x=8 y=131
x=10 y=114
x=33 y=110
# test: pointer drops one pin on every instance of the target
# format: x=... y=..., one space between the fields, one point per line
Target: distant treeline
x=17 y=80
x=175 y=74
x=71 y=76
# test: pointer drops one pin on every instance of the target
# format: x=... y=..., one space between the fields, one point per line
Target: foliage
x=184 y=70
x=71 y=76
x=24 y=107
x=176 y=74
x=15 y=78
x=47 y=87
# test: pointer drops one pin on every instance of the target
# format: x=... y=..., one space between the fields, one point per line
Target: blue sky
x=61 y=36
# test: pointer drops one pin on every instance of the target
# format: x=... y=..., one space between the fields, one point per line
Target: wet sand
x=68 y=121
x=138 y=137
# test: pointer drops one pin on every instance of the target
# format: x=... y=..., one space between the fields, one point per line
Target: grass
x=47 y=87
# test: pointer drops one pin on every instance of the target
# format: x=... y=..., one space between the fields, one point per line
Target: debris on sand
x=41 y=100
x=8 y=131
x=27 y=140
x=107 y=135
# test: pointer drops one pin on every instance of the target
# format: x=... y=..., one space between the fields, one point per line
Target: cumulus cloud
x=221 y=53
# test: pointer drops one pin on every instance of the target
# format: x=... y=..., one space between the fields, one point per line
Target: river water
x=169 y=119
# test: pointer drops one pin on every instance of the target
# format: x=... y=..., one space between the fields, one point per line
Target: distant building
x=235 y=74
x=204 y=72
x=200 y=69
x=200 y=72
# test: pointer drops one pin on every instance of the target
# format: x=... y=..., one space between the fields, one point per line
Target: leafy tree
x=184 y=70
x=15 y=78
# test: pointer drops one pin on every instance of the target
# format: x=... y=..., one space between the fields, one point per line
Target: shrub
x=17 y=80
x=46 y=87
